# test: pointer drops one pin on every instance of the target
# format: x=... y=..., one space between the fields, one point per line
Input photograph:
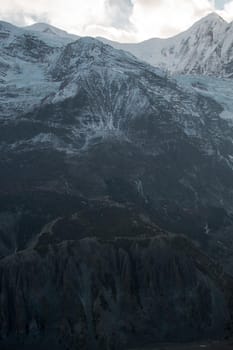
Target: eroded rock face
x=98 y=294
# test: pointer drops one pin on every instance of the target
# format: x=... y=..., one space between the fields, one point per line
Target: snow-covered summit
x=205 y=48
x=212 y=17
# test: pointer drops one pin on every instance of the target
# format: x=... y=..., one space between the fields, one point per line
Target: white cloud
x=227 y=11
x=122 y=20
x=163 y=18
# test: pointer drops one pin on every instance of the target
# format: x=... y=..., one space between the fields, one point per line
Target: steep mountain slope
x=102 y=158
x=25 y=57
x=117 y=127
x=218 y=89
x=205 y=48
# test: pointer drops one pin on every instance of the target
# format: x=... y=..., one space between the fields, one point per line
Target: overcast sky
x=121 y=20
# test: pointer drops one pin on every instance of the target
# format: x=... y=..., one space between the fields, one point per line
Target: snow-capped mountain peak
x=212 y=22
x=210 y=18
x=205 y=48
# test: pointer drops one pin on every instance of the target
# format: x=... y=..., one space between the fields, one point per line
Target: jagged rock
x=108 y=294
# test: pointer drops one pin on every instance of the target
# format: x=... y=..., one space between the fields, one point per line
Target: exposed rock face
x=102 y=294
x=116 y=128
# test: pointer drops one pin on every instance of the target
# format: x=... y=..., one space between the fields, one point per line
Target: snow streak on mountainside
x=221 y=90
x=25 y=58
x=205 y=48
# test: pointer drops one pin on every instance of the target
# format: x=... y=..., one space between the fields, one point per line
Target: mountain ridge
x=204 y=48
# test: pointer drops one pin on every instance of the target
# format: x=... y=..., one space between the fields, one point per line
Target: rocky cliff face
x=108 y=294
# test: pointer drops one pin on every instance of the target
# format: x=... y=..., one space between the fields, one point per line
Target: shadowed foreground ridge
x=109 y=294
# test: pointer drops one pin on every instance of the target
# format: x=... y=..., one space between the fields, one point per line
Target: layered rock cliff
x=111 y=294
